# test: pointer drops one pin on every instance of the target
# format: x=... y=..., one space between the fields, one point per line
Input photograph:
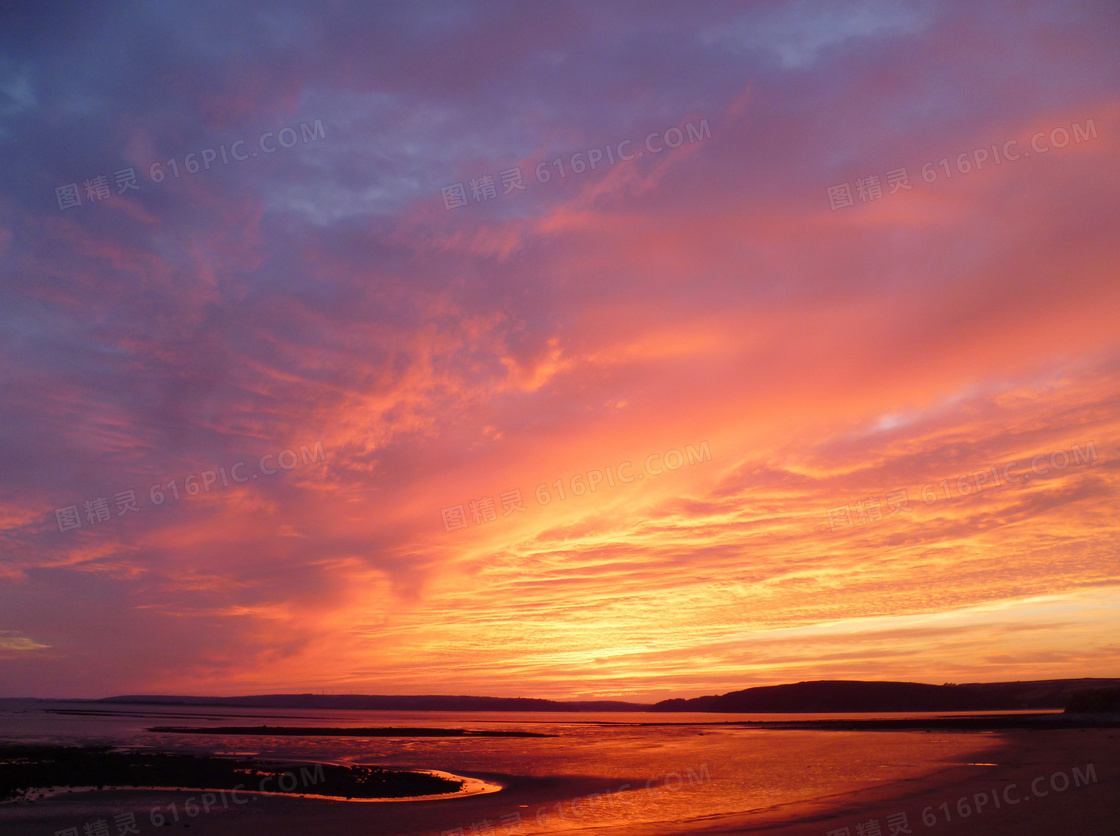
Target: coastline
x=470 y=787
x=1020 y=758
x=30 y=774
x=1025 y=756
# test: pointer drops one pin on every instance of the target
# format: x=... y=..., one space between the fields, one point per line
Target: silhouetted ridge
x=826 y=696
x=1095 y=701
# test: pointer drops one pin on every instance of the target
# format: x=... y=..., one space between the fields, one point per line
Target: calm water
x=683 y=769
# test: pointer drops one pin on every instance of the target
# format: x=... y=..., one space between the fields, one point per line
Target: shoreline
x=470 y=787
x=1008 y=769
x=1024 y=757
x=32 y=773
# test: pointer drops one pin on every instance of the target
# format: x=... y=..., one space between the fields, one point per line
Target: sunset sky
x=767 y=297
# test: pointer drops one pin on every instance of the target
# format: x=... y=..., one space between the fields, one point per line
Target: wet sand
x=1092 y=809
x=1024 y=757
x=272 y=816
x=470 y=786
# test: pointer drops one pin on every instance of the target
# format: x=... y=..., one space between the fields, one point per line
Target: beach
x=1075 y=777
x=1024 y=758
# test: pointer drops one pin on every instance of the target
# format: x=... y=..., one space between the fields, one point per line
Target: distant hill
x=847 y=696
x=820 y=697
x=360 y=702
x=1096 y=701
